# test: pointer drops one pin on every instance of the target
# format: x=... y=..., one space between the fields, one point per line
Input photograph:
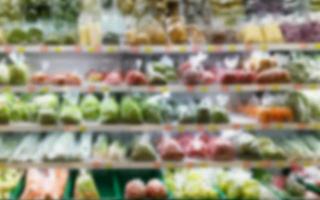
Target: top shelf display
x=165 y=25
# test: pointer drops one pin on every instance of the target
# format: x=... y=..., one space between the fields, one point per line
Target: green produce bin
x=105 y=182
x=17 y=191
x=68 y=191
x=124 y=176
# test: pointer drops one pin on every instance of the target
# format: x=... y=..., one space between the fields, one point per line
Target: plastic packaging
x=131 y=111
x=143 y=150
x=85 y=187
x=90 y=107
x=109 y=109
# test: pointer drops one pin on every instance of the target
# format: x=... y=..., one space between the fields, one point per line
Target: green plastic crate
x=105 y=182
x=17 y=191
x=124 y=176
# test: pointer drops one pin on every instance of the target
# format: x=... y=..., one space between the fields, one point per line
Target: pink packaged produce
x=170 y=149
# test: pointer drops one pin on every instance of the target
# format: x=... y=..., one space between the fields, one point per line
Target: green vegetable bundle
x=90 y=107
x=109 y=109
x=85 y=187
x=131 y=112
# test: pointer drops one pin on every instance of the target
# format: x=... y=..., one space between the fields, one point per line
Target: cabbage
x=19 y=111
x=70 y=114
x=19 y=73
x=110 y=111
x=90 y=107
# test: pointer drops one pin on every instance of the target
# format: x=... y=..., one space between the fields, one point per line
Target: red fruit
x=192 y=77
x=196 y=148
x=311 y=196
x=73 y=79
x=221 y=149
x=59 y=79
x=207 y=77
x=135 y=77
x=156 y=190
x=40 y=78
x=170 y=149
x=113 y=78
x=135 y=190
x=184 y=67
x=229 y=77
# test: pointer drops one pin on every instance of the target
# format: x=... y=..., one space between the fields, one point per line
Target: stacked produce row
x=145 y=22
x=201 y=183
x=256 y=68
x=227 y=146
x=117 y=141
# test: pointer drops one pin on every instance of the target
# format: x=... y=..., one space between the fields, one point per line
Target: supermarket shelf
x=159 y=164
x=152 y=49
x=98 y=87
x=95 y=127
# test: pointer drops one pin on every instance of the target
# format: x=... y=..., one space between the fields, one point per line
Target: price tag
x=238 y=88
x=111 y=49
x=232 y=48
x=210 y=48
x=183 y=49
x=105 y=88
x=204 y=89
x=181 y=128
x=317 y=46
x=148 y=49
x=164 y=89
x=170 y=165
x=279 y=126
x=248 y=127
x=21 y=49
x=213 y=128
x=7 y=89
x=275 y=87
x=264 y=47
x=44 y=89
x=307 y=163
x=82 y=128
x=91 y=49
x=313 y=86
x=315 y=126
x=57 y=49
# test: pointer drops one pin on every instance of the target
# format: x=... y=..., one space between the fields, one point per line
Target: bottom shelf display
x=197 y=183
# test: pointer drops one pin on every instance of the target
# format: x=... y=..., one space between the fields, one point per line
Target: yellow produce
x=272 y=33
x=251 y=33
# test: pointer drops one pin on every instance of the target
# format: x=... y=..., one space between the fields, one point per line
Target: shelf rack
x=96 y=127
x=177 y=88
x=267 y=164
x=153 y=49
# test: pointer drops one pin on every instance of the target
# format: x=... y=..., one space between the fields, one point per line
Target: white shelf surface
x=162 y=164
x=177 y=88
x=154 y=49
